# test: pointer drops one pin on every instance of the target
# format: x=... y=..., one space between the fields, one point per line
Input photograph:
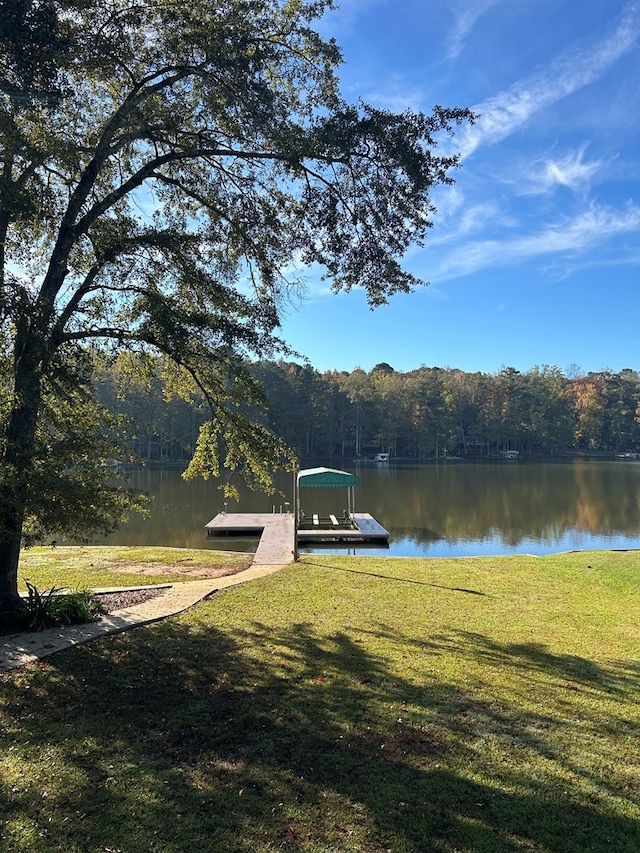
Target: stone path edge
x=22 y=649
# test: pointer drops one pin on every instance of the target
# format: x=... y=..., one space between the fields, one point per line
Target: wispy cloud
x=473 y=219
x=346 y=14
x=590 y=229
x=395 y=93
x=571 y=171
x=466 y=13
x=572 y=267
x=508 y=111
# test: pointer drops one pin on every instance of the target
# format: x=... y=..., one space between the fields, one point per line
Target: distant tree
x=390 y=405
x=160 y=423
x=590 y=411
x=549 y=412
x=161 y=167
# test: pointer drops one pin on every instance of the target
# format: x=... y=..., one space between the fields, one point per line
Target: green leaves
x=32 y=44
x=71 y=487
x=50 y=609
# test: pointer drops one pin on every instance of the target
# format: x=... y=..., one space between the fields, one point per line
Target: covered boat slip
x=280 y=535
x=325 y=478
x=343 y=525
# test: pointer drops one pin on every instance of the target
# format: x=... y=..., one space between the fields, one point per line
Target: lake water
x=447 y=509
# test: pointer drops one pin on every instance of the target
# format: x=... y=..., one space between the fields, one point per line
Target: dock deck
x=363 y=528
x=277 y=532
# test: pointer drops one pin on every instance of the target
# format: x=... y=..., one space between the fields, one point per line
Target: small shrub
x=40 y=608
x=76 y=608
x=51 y=610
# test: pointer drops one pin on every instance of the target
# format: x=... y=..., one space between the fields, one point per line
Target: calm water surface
x=452 y=509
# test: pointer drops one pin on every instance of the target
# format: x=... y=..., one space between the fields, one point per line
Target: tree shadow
x=618 y=677
x=179 y=737
x=398 y=579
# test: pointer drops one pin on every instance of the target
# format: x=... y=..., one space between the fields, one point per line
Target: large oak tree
x=163 y=167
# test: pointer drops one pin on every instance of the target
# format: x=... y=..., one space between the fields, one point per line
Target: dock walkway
x=276 y=531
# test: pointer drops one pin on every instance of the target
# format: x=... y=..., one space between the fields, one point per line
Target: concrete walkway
x=21 y=649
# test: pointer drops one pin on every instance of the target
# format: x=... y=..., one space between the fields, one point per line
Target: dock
x=278 y=535
x=359 y=527
x=275 y=529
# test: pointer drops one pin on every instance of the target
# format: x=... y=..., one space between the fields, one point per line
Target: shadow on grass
x=399 y=579
x=183 y=738
x=580 y=673
x=524 y=658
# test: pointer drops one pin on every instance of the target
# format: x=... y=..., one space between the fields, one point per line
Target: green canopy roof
x=325 y=477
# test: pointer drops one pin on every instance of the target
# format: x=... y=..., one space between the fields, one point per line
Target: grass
x=77 y=567
x=344 y=704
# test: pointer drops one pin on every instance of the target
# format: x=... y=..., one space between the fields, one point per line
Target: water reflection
x=452 y=509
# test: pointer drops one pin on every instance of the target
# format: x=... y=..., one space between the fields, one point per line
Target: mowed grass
x=95 y=567
x=344 y=704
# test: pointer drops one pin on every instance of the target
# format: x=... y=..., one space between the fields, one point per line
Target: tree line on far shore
x=421 y=414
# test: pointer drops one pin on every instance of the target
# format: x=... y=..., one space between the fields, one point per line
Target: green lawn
x=344 y=704
x=78 y=567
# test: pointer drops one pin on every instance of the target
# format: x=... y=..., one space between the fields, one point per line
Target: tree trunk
x=12 y=512
x=17 y=464
x=10 y=601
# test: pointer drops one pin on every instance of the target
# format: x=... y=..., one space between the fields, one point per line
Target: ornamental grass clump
x=50 y=609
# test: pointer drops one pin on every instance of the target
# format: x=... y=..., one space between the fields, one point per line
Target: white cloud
x=510 y=110
x=474 y=218
x=466 y=13
x=583 y=233
x=571 y=171
x=345 y=16
x=397 y=95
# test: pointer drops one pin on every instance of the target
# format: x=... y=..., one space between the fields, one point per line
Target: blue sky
x=535 y=254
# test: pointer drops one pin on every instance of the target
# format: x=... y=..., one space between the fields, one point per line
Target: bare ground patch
x=190 y=568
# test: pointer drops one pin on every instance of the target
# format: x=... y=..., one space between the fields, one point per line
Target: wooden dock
x=363 y=528
x=277 y=532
